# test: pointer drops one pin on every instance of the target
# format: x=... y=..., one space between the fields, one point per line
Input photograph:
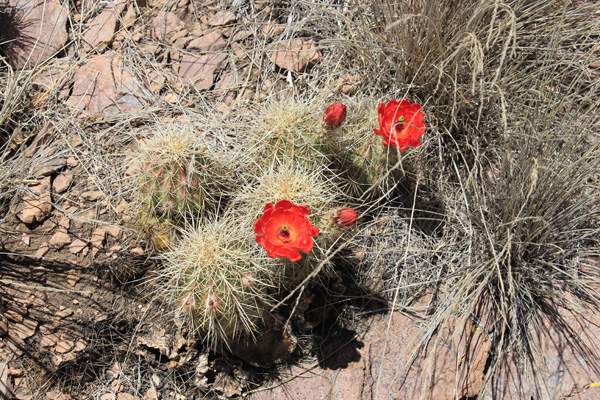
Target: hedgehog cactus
x=302 y=186
x=287 y=130
x=217 y=281
x=171 y=187
x=179 y=179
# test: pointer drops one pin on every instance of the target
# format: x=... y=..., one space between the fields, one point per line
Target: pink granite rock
x=200 y=70
x=222 y=18
x=296 y=55
x=166 y=25
x=107 y=86
x=101 y=30
x=35 y=31
x=212 y=41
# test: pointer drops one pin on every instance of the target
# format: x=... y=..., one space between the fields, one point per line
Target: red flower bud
x=334 y=115
x=345 y=217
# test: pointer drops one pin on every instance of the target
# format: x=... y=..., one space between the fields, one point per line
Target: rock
x=241 y=35
x=227 y=82
x=151 y=394
x=157 y=82
x=16 y=345
x=25 y=329
x=98 y=238
x=296 y=55
x=80 y=345
x=92 y=195
x=55 y=76
x=77 y=246
x=42 y=250
x=212 y=41
x=138 y=251
x=127 y=396
x=37 y=206
x=130 y=17
x=222 y=18
x=64 y=346
x=62 y=182
x=65 y=312
x=3 y=326
x=171 y=97
x=72 y=162
x=101 y=30
x=64 y=222
x=49 y=340
x=115 y=232
x=60 y=239
x=57 y=395
x=200 y=70
x=166 y=25
x=272 y=29
x=37 y=31
x=49 y=167
x=25 y=238
x=106 y=86
x=41 y=138
x=73 y=279
x=15 y=315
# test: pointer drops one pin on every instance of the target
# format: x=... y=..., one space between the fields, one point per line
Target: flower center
x=284 y=234
x=399 y=126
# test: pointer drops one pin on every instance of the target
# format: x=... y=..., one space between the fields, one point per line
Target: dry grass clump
x=17 y=124
x=518 y=233
x=399 y=258
x=511 y=154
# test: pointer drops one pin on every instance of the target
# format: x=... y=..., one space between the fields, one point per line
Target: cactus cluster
x=304 y=170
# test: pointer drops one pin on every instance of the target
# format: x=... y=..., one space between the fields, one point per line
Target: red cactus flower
x=284 y=230
x=334 y=115
x=345 y=217
x=400 y=123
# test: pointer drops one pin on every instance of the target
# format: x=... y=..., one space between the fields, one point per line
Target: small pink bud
x=168 y=206
x=181 y=176
x=248 y=281
x=212 y=302
x=334 y=115
x=345 y=217
x=159 y=173
x=188 y=302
